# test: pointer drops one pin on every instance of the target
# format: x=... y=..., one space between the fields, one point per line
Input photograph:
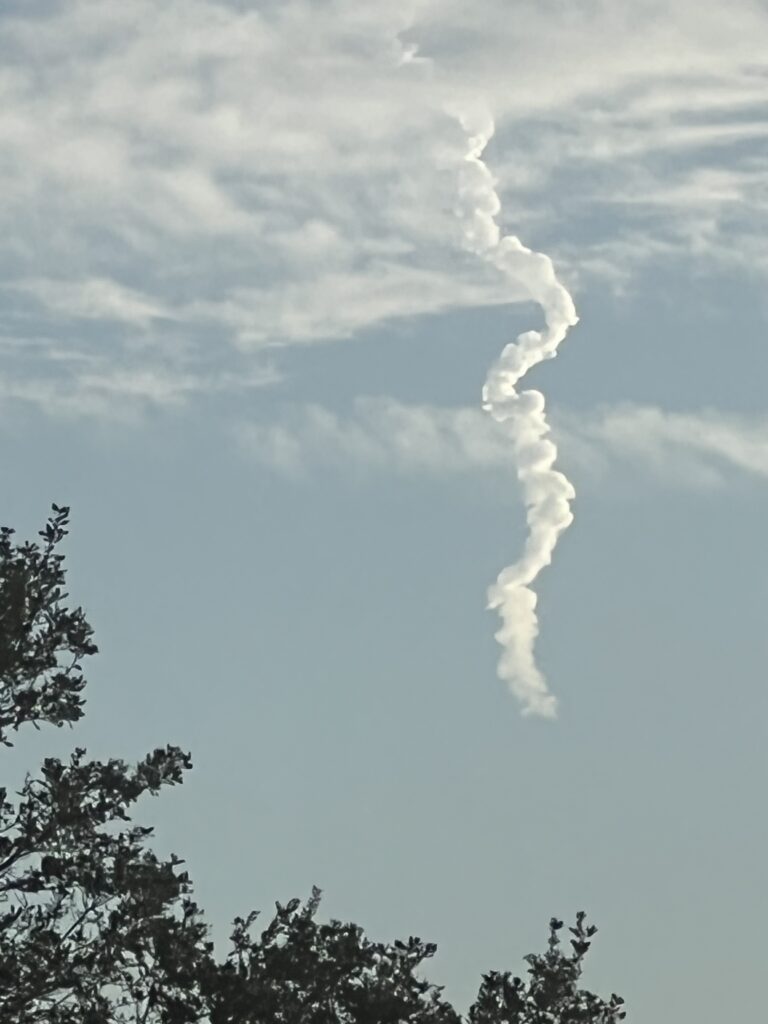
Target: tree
x=36 y=632
x=303 y=972
x=552 y=994
x=95 y=929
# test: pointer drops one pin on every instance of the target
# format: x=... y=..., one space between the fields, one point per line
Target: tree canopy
x=96 y=929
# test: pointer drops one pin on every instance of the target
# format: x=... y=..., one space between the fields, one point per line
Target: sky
x=245 y=326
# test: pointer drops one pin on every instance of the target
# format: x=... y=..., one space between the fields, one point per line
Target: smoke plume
x=546 y=491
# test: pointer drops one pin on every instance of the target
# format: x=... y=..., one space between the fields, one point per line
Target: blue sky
x=244 y=337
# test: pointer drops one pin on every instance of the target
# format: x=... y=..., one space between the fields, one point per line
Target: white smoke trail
x=547 y=492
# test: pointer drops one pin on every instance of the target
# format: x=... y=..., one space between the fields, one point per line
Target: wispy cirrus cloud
x=681 y=449
x=698 y=449
x=93 y=299
x=77 y=383
x=217 y=177
x=379 y=434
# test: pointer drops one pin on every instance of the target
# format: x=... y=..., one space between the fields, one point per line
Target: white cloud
x=335 y=305
x=288 y=173
x=78 y=385
x=682 y=449
x=93 y=299
x=382 y=434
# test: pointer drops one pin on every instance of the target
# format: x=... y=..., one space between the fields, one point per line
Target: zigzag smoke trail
x=546 y=491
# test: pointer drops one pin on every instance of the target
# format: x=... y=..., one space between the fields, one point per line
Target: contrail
x=547 y=492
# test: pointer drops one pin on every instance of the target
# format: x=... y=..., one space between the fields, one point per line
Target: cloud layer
x=186 y=183
x=699 y=449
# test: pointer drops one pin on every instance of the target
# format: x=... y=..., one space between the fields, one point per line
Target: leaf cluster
x=551 y=994
x=42 y=642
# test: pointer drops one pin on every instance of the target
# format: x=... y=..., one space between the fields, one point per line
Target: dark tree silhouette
x=95 y=929
x=37 y=632
x=552 y=994
x=303 y=972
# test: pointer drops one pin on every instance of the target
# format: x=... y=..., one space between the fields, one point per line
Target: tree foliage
x=96 y=929
x=552 y=994
x=42 y=643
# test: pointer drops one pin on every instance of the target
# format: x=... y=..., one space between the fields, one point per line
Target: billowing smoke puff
x=547 y=492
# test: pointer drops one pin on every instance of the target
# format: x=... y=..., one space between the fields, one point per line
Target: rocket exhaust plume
x=547 y=493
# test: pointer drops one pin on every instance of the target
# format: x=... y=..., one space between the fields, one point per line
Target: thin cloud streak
x=675 y=449
x=679 y=449
x=93 y=299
